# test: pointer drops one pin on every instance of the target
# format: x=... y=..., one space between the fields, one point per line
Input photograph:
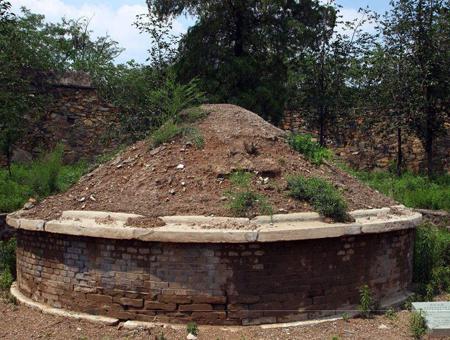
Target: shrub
x=242 y=199
x=432 y=260
x=192 y=328
x=390 y=314
x=417 y=325
x=7 y=263
x=325 y=199
x=366 y=303
x=313 y=151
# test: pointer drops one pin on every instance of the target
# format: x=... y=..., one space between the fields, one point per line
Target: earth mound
x=176 y=178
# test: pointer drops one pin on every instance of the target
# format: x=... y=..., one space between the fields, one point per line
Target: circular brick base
x=211 y=283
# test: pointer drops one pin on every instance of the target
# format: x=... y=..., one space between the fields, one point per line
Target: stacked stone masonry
x=245 y=284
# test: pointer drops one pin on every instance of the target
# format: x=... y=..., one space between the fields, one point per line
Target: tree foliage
x=240 y=50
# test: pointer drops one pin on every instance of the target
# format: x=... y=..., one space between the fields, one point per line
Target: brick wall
x=211 y=283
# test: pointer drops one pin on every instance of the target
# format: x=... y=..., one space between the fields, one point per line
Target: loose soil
x=150 y=182
x=20 y=322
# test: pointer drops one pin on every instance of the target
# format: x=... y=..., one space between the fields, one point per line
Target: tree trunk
x=8 y=160
x=322 y=125
x=399 y=152
x=429 y=138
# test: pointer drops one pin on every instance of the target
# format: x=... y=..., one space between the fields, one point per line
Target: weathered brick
x=131 y=302
x=154 y=305
x=195 y=307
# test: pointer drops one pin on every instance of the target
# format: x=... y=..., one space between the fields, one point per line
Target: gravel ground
x=20 y=322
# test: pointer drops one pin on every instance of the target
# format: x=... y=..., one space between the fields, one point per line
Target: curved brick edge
x=98 y=319
x=188 y=229
x=133 y=324
x=212 y=283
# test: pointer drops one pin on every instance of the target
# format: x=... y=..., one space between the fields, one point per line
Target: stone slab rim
x=185 y=229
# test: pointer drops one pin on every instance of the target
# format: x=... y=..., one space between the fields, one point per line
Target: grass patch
x=38 y=179
x=432 y=260
x=412 y=190
x=243 y=201
x=165 y=133
x=180 y=126
x=313 y=151
x=325 y=199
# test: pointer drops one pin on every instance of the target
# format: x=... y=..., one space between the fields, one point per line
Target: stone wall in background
x=75 y=116
x=375 y=147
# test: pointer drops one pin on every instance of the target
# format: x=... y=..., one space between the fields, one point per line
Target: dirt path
x=20 y=322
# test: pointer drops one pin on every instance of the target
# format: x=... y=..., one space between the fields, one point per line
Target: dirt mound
x=178 y=179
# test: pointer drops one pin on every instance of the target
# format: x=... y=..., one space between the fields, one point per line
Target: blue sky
x=115 y=18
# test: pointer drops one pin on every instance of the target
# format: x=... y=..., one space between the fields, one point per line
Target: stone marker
x=437 y=316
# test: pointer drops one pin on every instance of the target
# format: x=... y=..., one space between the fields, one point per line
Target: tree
x=240 y=50
x=416 y=42
x=31 y=51
x=324 y=73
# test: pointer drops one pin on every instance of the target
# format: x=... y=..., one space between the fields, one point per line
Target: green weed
x=325 y=199
x=192 y=328
x=242 y=199
x=366 y=302
x=313 y=151
x=417 y=325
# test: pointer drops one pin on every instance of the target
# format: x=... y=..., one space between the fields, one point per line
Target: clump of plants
x=366 y=302
x=192 y=328
x=39 y=178
x=180 y=125
x=243 y=200
x=324 y=197
x=313 y=151
x=7 y=263
x=432 y=260
x=417 y=324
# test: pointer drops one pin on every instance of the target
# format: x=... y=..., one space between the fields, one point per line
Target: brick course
x=211 y=283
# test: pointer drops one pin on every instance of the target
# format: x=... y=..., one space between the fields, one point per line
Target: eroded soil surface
x=178 y=179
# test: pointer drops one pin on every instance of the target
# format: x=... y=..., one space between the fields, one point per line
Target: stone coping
x=200 y=229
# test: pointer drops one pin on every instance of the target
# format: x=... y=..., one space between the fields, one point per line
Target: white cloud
x=104 y=19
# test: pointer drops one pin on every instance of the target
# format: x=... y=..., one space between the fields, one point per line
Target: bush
x=414 y=191
x=313 y=151
x=242 y=199
x=432 y=260
x=7 y=263
x=325 y=199
x=417 y=325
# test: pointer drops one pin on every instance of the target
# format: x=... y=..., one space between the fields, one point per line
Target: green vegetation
x=7 y=263
x=313 y=151
x=242 y=199
x=414 y=191
x=179 y=125
x=324 y=198
x=366 y=302
x=192 y=328
x=417 y=325
x=432 y=260
x=390 y=314
x=38 y=179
